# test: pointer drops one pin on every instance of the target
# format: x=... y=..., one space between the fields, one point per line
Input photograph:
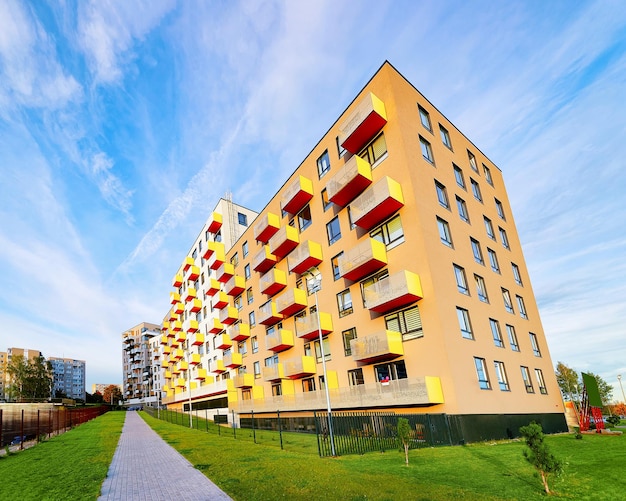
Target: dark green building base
x=480 y=427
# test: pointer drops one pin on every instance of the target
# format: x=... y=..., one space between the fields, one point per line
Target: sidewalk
x=146 y=468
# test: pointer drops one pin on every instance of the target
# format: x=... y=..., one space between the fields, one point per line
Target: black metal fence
x=360 y=432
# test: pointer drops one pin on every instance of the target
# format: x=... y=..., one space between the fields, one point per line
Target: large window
x=390 y=233
x=528 y=384
x=408 y=322
x=355 y=377
x=534 y=344
x=442 y=195
x=495 y=332
x=375 y=151
x=503 y=381
x=344 y=303
x=461 y=280
x=458 y=175
x=508 y=304
x=390 y=371
x=481 y=372
x=341 y=151
x=325 y=201
x=254 y=342
x=481 y=289
x=489 y=228
x=323 y=164
x=464 y=323
x=445 y=136
x=462 y=207
x=425 y=118
x=510 y=332
x=521 y=307
x=427 y=151
x=476 y=190
x=348 y=336
x=444 y=232
x=476 y=251
x=333 y=230
x=541 y=382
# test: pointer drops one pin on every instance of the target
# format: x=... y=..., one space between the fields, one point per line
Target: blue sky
x=121 y=123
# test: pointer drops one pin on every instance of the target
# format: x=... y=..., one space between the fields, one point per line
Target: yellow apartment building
x=424 y=302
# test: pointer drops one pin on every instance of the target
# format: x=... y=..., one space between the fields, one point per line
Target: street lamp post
x=314 y=283
x=619 y=378
x=189 y=382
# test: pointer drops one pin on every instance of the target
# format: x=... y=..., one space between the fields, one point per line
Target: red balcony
x=297 y=195
x=218 y=258
x=181 y=337
x=212 y=286
x=377 y=347
x=210 y=248
x=284 y=241
x=235 y=286
x=392 y=292
x=350 y=181
x=177 y=281
x=215 y=222
x=193 y=273
x=187 y=263
x=222 y=342
x=307 y=255
x=273 y=373
x=239 y=332
x=225 y=272
x=263 y=260
x=268 y=314
x=178 y=354
x=273 y=282
x=291 y=301
x=195 y=359
x=229 y=315
x=174 y=297
x=163 y=340
x=198 y=339
x=233 y=360
x=214 y=326
x=220 y=300
x=191 y=326
x=367 y=257
x=367 y=119
x=280 y=340
x=377 y=203
x=190 y=294
x=196 y=306
x=266 y=226
x=308 y=327
x=177 y=326
x=178 y=308
x=299 y=367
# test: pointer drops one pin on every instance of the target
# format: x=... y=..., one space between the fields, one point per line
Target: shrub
x=538 y=453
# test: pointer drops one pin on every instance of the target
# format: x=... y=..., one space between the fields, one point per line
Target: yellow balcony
x=201 y=375
x=174 y=297
x=377 y=347
x=163 y=340
x=307 y=255
x=308 y=327
x=178 y=354
x=225 y=272
x=233 y=360
x=181 y=382
x=273 y=373
x=219 y=367
x=177 y=326
x=367 y=257
x=195 y=359
x=235 y=286
x=196 y=305
x=395 y=291
x=190 y=294
x=222 y=342
x=173 y=316
x=296 y=195
x=243 y=381
x=365 y=121
x=273 y=282
x=239 y=332
x=268 y=314
x=291 y=301
x=168 y=374
x=183 y=366
x=177 y=281
x=214 y=326
x=377 y=203
x=170 y=333
x=165 y=326
x=229 y=315
x=263 y=260
x=193 y=273
x=166 y=350
x=266 y=226
x=180 y=336
x=284 y=241
x=213 y=286
x=198 y=339
x=220 y=300
x=299 y=367
x=215 y=222
x=218 y=258
x=210 y=248
x=191 y=326
x=280 y=340
x=175 y=370
x=178 y=308
x=350 y=181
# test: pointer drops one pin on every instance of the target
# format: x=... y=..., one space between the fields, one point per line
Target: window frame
x=333 y=237
x=323 y=164
x=442 y=195
x=482 y=374
x=459 y=177
x=489 y=228
x=462 y=208
x=503 y=380
x=477 y=251
x=445 y=137
x=496 y=333
x=445 y=235
x=541 y=382
x=425 y=118
x=382 y=230
x=528 y=383
x=481 y=288
x=427 y=150
x=534 y=343
x=465 y=323
x=521 y=306
x=401 y=319
x=347 y=336
x=504 y=238
x=476 y=190
x=342 y=306
x=461 y=279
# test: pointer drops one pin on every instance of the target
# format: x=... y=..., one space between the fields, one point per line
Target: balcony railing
x=192 y=273
x=273 y=282
x=280 y=340
x=195 y=305
x=178 y=308
x=368 y=256
x=215 y=222
x=291 y=301
x=363 y=123
x=220 y=300
x=377 y=347
x=273 y=373
x=222 y=342
x=377 y=203
x=239 y=332
x=394 y=291
x=235 y=286
x=307 y=255
x=211 y=246
x=214 y=326
x=308 y=327
x=243 y=381
x=198 y=339
x=191 y=326
x=190 y=294
x=233 y=360
x=268 y=314
x=350 y=181
x=297 y=194
x=266 y=226
x=212 y=287
x=225 y=272
x=284 y=241
x=177 y=281
x=299 y=367
x=174 y=297
x=218 y=257
x=229 y=315
x=263 y=260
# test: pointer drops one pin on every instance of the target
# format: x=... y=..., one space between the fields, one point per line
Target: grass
x=71 y=466
x=485 y=471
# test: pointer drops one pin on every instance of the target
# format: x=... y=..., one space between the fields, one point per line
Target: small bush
x=539 y=455
x=613 y=420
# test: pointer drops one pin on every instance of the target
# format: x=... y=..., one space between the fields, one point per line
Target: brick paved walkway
x=145 y=468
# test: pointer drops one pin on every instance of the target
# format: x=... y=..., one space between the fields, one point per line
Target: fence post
x=38 y=432
x=206 y=419
x=253 y=430
x=1 y=435
x=317 y=434
x=22 y=432
x=234 y=432
x=219 y=428
x=280 y=430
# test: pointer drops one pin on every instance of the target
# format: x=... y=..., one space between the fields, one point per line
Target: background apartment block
x=68 y=376
x=425 y=304
x=137 y=361
x=5 y=358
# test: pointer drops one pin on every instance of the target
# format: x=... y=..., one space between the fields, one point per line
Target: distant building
x=99 y=387
x=68 y=376
x=5 y=359
x=137 y=361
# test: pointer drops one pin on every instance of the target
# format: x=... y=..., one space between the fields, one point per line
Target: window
x=458 y=175
x=325 y=201
x=246 y=394
x=534 y=344
x=444 y=232
x=481 y=289
x=488 y=174
x=242 y=348
x=503 y=382
x=510 y=332
x=476 y=190
x=352 y=225
x=375 y=151
x=308 y=384
x=427 y=151
x=318 y=352
x=277 y=389
x=238 y=303
x=516 y=274
x=251 y=319
x=335 y=265
x=527 y=382
x=463 y=214
x=391 y=371
x=445 y=137
x=355 y=377
x=244 y=248
x=540 y=382
x=442 y=196
x=408 y=322
x=499 y=209
x=521 y=307
x=246 y=271
x=341 y=151
x=304 y=218
x=242 y=218
x=348 y=336
x=372 y=279
x=425 y=118
x=495 y=332
x=389 y=233
x=478 y=253
x=323 y=164
x=504 y=239
x=472 y=161
x=234 y=260
x=481 y=372
x=249 y=295
x=254 y=342
x=344 y=303
x=508 y=305
x=493 y=260
x=464 y=323
x=333 y=230
x=461 y=281
x=489 y=228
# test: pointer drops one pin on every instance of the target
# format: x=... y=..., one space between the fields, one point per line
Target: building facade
x=68 y=377
x=5 y=359
x=423 y=301
x=137 y=361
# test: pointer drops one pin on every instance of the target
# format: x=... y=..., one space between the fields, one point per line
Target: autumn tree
x=31 y=379
x=567 y=378
x=112 y=394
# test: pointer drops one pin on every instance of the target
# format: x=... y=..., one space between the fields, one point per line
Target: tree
x=30 y=379
x=404 y=437
x=112 y=394
x=94 y=398
x=539 y=455
x=567 y=378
